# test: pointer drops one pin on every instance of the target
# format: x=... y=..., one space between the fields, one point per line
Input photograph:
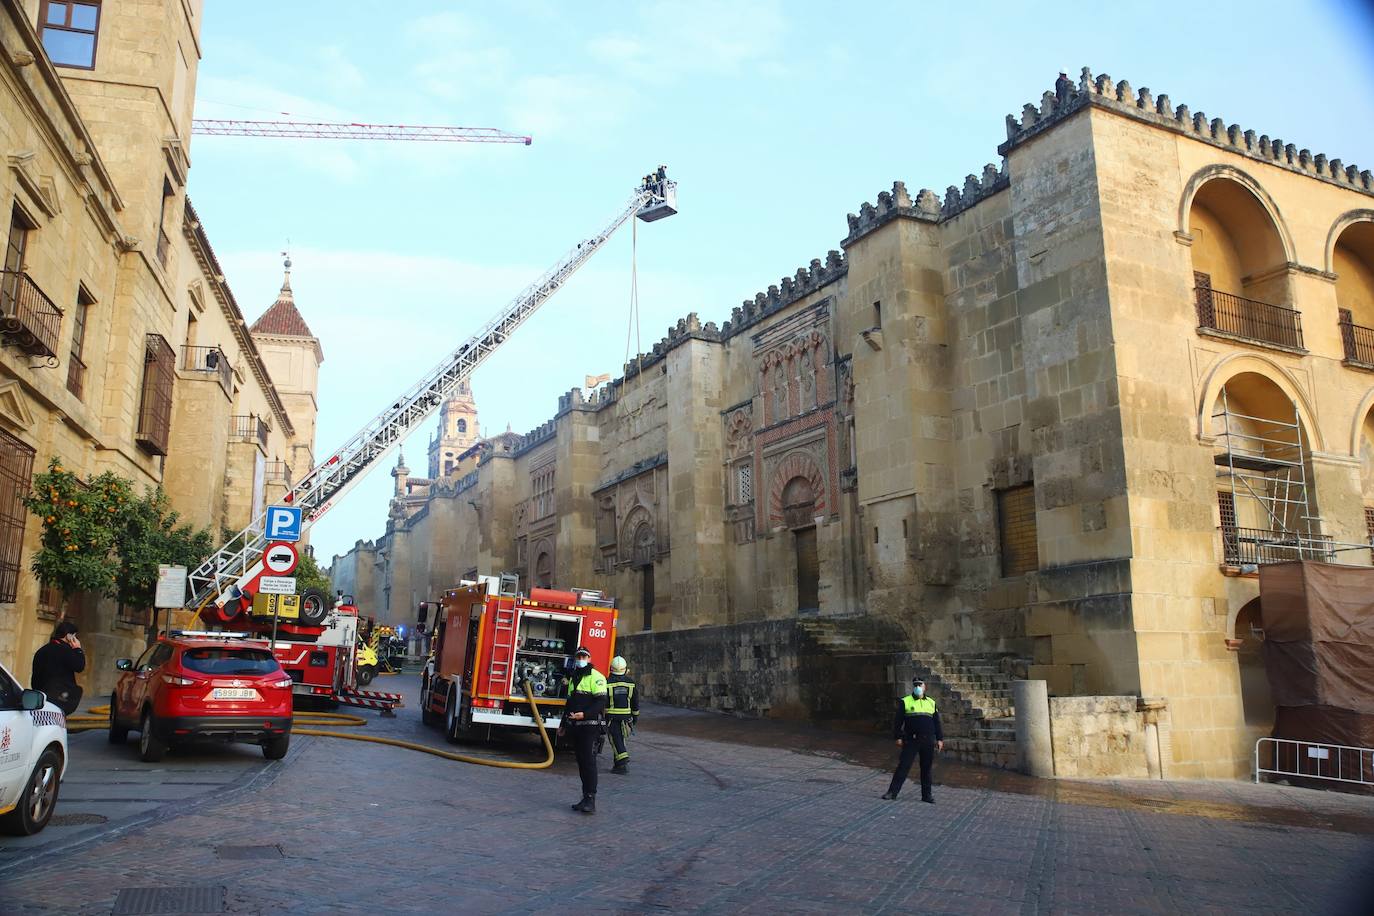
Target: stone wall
x=769 y=668
x=1102 y=736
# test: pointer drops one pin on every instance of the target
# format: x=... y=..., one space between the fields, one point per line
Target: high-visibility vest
x=918 y=706
x=592 y=682
x=621 y=692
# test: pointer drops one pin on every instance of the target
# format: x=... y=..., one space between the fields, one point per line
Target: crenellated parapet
x=891 y=205
x=1118 y=96
x=537 y=436
x=804 y=282
x=689 y=328
x=926 y=205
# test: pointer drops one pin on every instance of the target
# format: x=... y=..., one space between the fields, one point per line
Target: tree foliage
x=309 y=575
x=103 y=537
x=148 y=536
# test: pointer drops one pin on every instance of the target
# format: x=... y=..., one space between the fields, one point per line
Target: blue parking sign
x=283 y=523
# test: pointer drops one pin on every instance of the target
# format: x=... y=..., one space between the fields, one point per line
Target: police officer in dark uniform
x=585 y=714
x=916 y=729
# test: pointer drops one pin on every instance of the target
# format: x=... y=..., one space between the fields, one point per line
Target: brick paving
x=768 y=819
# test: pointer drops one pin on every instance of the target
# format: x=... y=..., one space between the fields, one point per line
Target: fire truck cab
x=489 y=639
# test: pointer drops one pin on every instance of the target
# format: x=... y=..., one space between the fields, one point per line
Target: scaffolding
x=1263 y=465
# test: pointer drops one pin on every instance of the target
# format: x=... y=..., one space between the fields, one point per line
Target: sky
x=776 y=120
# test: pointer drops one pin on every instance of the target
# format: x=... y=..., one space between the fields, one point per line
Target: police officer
x=916 y=729
x=623 y=712
x=585 y=714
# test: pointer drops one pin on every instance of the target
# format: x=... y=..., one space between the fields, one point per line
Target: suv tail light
x=281 y=684
x=178 y=681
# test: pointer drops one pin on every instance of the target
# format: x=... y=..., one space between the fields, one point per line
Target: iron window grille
x=155 y=404
x=16 y=474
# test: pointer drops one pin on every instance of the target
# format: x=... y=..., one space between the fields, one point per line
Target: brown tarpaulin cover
x=1319 y=650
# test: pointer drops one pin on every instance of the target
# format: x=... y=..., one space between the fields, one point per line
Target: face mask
x=582 y=663
x=918 y=692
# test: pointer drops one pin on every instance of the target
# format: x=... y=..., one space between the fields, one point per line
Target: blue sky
x=776 y=119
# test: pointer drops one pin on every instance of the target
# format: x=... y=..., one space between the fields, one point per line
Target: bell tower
x=458 y=431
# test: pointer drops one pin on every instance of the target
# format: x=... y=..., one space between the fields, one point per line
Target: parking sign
x=283 y=523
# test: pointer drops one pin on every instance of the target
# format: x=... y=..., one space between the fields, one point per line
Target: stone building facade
x=123 y=346
x=1052 y=420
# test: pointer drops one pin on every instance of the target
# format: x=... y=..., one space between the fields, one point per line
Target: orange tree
x=102 y=537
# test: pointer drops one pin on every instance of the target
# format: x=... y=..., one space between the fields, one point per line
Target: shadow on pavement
x=875 y=750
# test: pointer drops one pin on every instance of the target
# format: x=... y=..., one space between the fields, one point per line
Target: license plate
x=233 y=693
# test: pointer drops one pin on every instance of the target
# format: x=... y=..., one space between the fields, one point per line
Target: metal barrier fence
x=1314 y=760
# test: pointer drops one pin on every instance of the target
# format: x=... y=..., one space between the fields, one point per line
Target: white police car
x=33 y=757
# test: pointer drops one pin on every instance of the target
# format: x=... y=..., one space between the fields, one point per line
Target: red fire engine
x=489 y=640
x=317 y=646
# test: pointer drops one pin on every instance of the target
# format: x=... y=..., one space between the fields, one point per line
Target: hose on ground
x=98 y=717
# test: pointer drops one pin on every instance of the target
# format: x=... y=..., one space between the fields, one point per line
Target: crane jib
x=235 y=567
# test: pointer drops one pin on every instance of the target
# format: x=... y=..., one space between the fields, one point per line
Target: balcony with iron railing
x=1251 y=320
x=248 y=428
x=28 y=318
x=278 y=472
x=1357 y=341
x=209 y=362
x=1242 y=547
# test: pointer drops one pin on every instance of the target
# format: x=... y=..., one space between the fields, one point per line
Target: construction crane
x=338 y=130
x=224 y=584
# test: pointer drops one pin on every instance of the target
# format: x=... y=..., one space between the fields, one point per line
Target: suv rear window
x=217 y=660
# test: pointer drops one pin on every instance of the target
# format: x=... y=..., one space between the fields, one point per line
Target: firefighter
x=585 y=714
x=916 y=729
x=623 y=712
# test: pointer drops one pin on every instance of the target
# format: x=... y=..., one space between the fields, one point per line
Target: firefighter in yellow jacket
x=917 y=731
x=623 y=712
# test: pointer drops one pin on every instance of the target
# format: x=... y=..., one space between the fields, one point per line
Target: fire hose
x=98 y=717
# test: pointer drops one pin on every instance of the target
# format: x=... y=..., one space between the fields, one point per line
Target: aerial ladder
x=222 y=587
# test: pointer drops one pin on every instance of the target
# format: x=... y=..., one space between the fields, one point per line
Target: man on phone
x=56 y=665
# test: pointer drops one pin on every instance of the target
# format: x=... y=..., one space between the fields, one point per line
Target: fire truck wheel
x=365 y=675
x=314 y=607
x=453 y=725
x=426 y=716
x=276 y=748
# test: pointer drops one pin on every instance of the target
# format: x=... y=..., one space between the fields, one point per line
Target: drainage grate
x=249 y=852
x=74 y=820
x=150 y=901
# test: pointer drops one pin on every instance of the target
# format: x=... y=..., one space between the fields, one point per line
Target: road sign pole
x=276 y=613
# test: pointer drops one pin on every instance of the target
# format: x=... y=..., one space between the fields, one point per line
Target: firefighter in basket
x=622 y=713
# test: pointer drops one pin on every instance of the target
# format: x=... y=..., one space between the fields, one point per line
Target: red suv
x=202 y=685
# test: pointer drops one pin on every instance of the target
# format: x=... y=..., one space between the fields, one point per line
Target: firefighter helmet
x=618 y=665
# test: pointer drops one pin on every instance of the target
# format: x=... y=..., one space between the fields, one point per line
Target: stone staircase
x=975 y=698
x=973 y=690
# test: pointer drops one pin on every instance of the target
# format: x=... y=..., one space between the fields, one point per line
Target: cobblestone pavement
x=716 y=816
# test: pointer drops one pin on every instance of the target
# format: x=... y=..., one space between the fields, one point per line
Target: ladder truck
x=323 y=638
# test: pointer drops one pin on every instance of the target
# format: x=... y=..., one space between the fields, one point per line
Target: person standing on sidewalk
x=586 y=716
x=56 y=665
x=917 y=731
x=623 y=712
